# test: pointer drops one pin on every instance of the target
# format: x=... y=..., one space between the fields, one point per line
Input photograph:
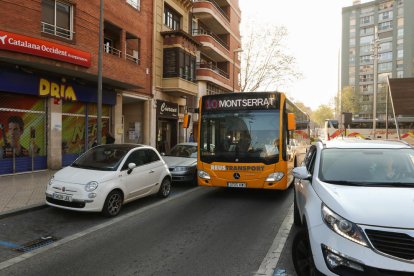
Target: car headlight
x=91 y=186
x=203 y=174
x=343 y=227
x=52 y=179
x=181 y=169
x=274 y=177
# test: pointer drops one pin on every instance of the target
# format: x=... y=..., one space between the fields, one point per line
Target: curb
x=22 y=210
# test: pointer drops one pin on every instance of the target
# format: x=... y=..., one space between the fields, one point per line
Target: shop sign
x=167 y=109
x=56 y=90
x=29 y=45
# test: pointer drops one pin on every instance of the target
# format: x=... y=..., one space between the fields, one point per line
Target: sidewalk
x=22 y=191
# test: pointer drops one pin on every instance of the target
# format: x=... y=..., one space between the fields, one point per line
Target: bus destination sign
x=237 y=101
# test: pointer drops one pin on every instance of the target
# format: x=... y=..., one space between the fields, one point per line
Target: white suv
x=355 y=202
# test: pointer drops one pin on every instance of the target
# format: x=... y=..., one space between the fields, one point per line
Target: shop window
x=57 y=19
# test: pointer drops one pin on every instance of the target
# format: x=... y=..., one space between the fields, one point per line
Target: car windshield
x=103 y=158
x=181 y=150
x=376 y=167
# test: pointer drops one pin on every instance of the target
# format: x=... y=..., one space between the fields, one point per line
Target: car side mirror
x=131 y=166
x=301 y=173
x=162 y=153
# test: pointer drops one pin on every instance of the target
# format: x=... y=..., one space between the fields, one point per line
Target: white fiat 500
x=355 y=202
x=108 y=176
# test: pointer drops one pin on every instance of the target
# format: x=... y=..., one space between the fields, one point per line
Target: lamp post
x=238 y=50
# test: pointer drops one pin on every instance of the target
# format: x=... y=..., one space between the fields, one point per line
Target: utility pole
x=374 y=101
x=99 y=102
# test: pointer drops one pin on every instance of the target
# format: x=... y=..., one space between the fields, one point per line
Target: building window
x=367 y=19
x=367 y=39
x=400 y=32
x=388 y=15
x=367 y=10
x=171 y=18
x=400 y=53
x=386 y=5
x=179 y=63
x=385 y=26
x=385 y=67
x=366 y=31
x=386 y=46
x=365 y=49
x=365 y=59
x=133 y=44
x=57 y=19
x=365 y=98
x=352 y=42
x=135 y=3
x=385 y=56
x=400 y=74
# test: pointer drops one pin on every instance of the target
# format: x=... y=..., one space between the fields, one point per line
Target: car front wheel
x=113 y=204
x=165 y=188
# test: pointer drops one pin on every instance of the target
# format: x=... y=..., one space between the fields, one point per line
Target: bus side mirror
x=291 y=121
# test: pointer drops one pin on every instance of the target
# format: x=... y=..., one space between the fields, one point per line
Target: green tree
x=321 y=114
x=349 y=102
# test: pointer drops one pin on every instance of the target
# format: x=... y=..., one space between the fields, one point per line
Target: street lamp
x=238 y=50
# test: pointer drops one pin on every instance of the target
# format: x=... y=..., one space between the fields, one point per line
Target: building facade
x=49 y=52
x=196 y=46
x=387 y=25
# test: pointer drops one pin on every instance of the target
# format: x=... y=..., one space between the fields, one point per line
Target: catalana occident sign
x=29 y=45
x=240 y=101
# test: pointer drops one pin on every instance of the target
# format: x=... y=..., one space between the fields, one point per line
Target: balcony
x=211 y=73
x=212 y=45
x=213 y=15
x=56 y=31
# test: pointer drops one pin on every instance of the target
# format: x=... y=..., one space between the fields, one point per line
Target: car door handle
x=151 y=171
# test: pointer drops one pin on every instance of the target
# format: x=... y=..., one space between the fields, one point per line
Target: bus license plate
x=236 y=185
x=62 y=197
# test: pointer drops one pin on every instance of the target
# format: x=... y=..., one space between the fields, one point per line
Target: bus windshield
x=245 y=136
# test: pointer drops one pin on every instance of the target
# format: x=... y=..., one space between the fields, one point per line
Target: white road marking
x=269 y=263
x=28 y=255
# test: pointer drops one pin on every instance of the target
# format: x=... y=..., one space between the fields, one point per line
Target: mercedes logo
x=236 y=176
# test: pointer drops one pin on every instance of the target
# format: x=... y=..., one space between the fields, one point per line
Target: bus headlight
x=274 y=177
x=203 y=175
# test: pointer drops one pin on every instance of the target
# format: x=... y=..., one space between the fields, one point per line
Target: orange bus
x=249 y=140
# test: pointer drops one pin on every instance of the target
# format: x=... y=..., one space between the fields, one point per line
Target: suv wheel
x=302 y=255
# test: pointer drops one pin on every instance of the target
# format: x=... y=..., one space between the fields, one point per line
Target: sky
x=314 y=39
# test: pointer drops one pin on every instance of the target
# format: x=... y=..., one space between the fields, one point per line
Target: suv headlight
x=91 y=186
x=343 y=227
x=203 y=175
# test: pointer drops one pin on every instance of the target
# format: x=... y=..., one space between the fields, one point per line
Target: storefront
x=167 y=122
x=25 y=106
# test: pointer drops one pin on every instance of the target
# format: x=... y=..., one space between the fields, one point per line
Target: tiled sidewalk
x=22 y=191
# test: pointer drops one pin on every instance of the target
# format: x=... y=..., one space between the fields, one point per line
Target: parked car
x=354 y=200
x=182 y=162
x=108 y=176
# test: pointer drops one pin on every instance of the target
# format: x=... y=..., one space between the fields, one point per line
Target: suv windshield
x=393 y=167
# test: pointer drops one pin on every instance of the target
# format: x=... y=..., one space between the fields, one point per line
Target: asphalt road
x=201 y=231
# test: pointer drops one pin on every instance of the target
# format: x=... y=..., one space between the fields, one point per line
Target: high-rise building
x=389 y=26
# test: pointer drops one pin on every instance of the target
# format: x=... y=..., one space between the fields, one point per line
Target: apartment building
x=49 y=52
x=196 y=52
x=389 y=26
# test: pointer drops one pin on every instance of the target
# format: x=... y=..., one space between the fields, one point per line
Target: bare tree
x=265 y=63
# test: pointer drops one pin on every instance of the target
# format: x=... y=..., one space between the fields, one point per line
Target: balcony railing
x=56 y=31
x=111 y=50
x=204 y=65
x=132 y=58
x=216 y=5
x=213 y=35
